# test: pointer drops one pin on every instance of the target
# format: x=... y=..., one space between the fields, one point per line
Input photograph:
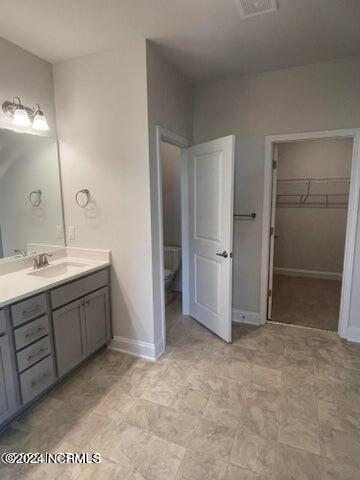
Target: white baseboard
x=353 y=334
x=244 y=316
x=294 y=272
x=146 y=350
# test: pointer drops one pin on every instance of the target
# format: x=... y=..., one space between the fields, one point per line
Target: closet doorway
x=310 y=214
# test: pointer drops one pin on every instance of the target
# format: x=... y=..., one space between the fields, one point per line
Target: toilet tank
x=172 y=258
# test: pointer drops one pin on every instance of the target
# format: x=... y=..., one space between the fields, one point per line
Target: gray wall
x=322 y=96
x=28 y=77
x=170 y=105
x=101 y=105
x=312 y=238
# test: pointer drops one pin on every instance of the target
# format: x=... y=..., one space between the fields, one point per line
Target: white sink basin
x=58 y=270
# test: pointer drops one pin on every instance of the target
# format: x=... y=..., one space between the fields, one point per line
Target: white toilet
x=172 y=260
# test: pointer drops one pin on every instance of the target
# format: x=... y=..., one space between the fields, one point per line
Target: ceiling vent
x=251 y=8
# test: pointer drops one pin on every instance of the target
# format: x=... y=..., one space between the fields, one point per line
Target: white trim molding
x=164 y=135
x=353 y=334
x=137 y=348
x=244 y=316
x=297 y=272
x=345 y=329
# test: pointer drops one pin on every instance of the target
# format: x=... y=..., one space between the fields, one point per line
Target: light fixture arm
x=10 y=107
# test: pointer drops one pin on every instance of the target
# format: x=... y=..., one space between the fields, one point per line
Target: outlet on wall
x=59 y=231
x=71 y=231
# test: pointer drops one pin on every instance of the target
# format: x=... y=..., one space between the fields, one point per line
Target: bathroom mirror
x=31 y=216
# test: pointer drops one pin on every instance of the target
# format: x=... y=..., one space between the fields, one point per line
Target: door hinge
x=269 y=293
x=272 y=231
x=274 y=164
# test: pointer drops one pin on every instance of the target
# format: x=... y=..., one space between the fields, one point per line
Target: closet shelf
x=313 y=192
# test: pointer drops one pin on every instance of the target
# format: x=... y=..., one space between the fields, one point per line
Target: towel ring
x=35 y=198
x=86 y=192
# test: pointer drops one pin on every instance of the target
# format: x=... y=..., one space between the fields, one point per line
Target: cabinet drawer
x=27 y=309
x=2 y=321
x=31 y=332
x=36 y=379
x=79 y=288
x=33 y=353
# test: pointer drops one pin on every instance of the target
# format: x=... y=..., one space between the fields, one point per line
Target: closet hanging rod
x=251 y=216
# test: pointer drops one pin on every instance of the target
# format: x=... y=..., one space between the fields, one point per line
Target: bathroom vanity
x=51 y=320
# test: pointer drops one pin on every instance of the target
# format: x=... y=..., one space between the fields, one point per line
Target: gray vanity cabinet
x=7 y=388
x=69 y=334
x=97 y=319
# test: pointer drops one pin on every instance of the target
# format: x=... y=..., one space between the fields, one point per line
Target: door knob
x=223 y=254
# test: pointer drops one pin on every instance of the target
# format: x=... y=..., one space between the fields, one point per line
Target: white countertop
x=18 y=284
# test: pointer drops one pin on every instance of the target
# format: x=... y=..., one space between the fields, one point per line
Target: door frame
x=167 y=136
x=352 y=217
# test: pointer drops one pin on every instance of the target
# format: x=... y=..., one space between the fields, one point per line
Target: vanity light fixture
x=20 y=115
x=39 y=122
x=24 y=116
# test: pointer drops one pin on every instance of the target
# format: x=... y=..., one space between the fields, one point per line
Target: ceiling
x=206 y=39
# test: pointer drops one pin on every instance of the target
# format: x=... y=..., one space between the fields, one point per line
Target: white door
x=272 y=233
x=210 y=194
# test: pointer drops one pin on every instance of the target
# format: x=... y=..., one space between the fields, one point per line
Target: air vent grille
x=250 y=8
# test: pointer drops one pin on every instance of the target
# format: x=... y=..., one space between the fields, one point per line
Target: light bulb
x=21 y=117
x=40 y=122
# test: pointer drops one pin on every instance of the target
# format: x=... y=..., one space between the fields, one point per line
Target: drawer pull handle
x=39 y=379
x=35 y=332
x=35 y=354
x=25 y=313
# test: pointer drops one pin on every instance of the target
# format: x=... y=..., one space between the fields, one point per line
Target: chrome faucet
x=41 y=260
x=21 y=252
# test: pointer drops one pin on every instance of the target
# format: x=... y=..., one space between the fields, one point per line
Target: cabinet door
x=7 y=387
x=97 y=319
x=69 y=334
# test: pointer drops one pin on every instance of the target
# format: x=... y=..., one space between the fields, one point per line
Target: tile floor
x=308 y=302
x=280 y=403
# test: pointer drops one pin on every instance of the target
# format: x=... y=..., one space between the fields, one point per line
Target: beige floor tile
x=216 y=439
x=10 y=473
x=338 y=417
x=253 y=453
x=295 y=464
x=199 y=380
x=223 y=410
x=124 y=444
x=339 y=471
x=294 y=376
x=14 y=438
x=177 y=372
x=237 y=370
x=326 y=371
x=115 y=405
x=239 y=353
x=106 y=471
x=90 y=427
x=163 y=392
x=160 y=459
x=299 y=404
x=342 y=448
x=260 y=421
x=200 y=466
x=263 y=397
x=176 y=427
x=145 y=414
x=300 y=433
x=237 y=473
x=190 y=401
x=269 y=360
x=267 y=378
